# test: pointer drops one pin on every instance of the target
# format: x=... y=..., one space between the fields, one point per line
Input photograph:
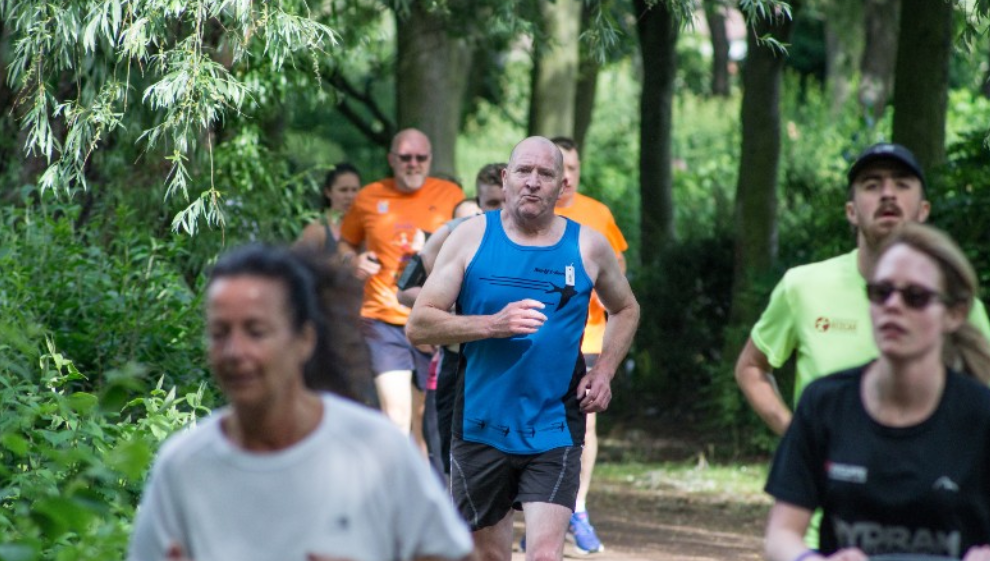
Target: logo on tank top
x=826 y=324
x=382 y=207
x=565 y=289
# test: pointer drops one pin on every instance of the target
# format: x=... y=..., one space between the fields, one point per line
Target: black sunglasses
x=406 y=158
x=914 y=296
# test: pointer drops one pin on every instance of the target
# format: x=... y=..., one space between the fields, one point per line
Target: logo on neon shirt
x=825 y=324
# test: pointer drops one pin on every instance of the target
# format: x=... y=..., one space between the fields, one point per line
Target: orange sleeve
x=352 y=226
x=614 y=235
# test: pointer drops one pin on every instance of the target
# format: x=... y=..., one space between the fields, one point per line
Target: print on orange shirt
x=394 y=226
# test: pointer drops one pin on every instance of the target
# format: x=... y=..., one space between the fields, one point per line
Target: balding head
x=409 y=158
x=538 y=143
x=410 y=135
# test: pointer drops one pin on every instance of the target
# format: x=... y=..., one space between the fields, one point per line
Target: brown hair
x=324 y=295
x=965 y=349
x=490 y=174
x=333 y=174
x=565 y=143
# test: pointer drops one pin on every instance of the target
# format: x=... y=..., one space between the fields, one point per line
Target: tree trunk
x=715 y=17
x=881 y=21
x=843 y=41
x=555 y=70
x=921 y=84
x=756 y=191
x=430 y=81
x=658 y=29
x=587 y=85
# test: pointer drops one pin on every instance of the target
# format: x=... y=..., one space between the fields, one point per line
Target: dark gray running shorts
x=390 y=350
x=487 y=483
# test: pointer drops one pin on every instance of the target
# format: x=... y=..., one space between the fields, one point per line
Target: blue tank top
x=518 y=394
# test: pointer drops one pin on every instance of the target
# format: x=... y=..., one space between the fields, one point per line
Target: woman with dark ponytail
x=285 y=471
x=339 y=189
x=896 y=452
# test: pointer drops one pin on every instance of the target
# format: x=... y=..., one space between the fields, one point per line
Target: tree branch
x=381 y=137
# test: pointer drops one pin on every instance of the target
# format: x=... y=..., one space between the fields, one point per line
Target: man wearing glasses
x=392 y=218
x=821 y=311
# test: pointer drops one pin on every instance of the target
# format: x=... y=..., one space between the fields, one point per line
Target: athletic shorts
x=447 y=375
x=390 y=350
x=487 y=483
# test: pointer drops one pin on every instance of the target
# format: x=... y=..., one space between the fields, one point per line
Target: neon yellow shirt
x=820 y=311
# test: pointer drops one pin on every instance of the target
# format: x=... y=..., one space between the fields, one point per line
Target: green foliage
x=734 y=483
x=766 y=10
x=494 y=128
x=962 y=188
x=106 y=304
x=72 y=462
x=75 y=66
x=684 y=294
x=609 y=162
x=694 y=64
x=79 y=421
x=705 y=154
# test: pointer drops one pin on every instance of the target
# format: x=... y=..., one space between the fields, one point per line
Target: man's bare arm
x=619 y=301
x=432 y=248
x=431 y=321
x=755 y=378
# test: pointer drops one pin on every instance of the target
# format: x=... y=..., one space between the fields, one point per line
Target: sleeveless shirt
x=518 y=394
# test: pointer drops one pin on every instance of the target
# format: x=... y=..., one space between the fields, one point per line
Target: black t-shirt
x=922 y=489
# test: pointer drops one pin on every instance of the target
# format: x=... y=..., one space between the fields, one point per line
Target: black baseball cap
x=886 y=151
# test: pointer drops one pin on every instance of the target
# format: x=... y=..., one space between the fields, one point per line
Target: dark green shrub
x=104 y=305
x=684 y=296
x=960 y=194
x=72 y=463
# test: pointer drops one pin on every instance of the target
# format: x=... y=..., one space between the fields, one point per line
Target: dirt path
x=640 y=525
x=640 y=522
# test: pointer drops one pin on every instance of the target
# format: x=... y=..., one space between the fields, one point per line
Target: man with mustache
x=820 y=310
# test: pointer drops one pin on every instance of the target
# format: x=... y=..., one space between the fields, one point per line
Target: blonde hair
x=965 y=349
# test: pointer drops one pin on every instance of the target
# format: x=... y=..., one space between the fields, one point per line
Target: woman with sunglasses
x=896 y=452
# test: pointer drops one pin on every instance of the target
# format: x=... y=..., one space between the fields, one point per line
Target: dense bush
x=104 y=305
x=684 y=295
x=961 y=194
x=72 y=462
x=79 y=421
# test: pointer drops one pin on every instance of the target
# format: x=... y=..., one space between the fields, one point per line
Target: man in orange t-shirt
x=593 y=214
x=392 y=218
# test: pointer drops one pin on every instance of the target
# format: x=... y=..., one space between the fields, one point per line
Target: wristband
x=806 y=555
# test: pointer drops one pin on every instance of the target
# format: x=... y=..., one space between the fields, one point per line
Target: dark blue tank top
x=518 y=394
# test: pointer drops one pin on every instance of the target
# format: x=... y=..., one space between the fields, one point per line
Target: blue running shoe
x=585 y=540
